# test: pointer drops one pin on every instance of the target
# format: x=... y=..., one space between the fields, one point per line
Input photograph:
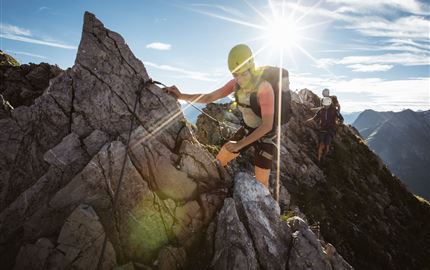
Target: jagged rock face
x=212 y=133
x=261 y=214
x=308 y=98
x=251 y=235
x=362 y=209
x=308 y=252
x=22 y=84
x=80 y=241
x=233 y=245
x=65 y=153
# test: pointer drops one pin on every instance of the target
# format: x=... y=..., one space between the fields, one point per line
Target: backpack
x=271 y=75
x=328 y=118
x=335 y=104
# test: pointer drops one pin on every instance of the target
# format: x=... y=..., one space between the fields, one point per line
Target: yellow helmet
x=240 y=59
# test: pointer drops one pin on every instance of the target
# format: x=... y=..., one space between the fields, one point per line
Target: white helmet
x=326 y=92
x=326 y=101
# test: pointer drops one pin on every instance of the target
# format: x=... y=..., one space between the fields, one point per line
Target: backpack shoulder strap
x=253 y=99
x=236 y=98
x=254 y=103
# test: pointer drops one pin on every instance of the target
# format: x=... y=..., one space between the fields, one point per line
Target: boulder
x=233 y=245
x=67 y=149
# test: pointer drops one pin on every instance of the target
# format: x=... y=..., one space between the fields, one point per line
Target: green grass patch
x=287 y=215
x=6 y=59
x=213 y=149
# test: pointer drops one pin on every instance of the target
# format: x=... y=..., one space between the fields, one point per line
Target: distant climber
x=335 y=103
x=251 y=88
x=326 y=119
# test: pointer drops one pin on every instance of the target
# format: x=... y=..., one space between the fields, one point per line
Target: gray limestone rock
x=307 y=252
x=233 y=245
x=79 y=246
x=65 y=153
x=67 y=148
x=81 y=239
x=261 y=216
x=171 y=258
x=199 y=164
x=94 y=142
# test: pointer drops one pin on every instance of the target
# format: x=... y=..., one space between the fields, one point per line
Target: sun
x=283 y=33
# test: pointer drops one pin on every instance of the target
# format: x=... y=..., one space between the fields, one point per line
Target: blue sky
x=371 y=53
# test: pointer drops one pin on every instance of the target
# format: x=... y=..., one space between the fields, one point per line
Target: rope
x=219 y=123
x=195 y=107
x=142 y=86
x=278 y=139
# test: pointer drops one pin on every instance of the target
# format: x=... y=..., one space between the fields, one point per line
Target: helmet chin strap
x=251 y=83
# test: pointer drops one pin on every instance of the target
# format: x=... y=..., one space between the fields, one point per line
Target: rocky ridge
x=367 y=213
x=22 y=84
x=62 y=156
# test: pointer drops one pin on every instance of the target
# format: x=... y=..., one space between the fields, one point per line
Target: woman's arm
x=224 y=91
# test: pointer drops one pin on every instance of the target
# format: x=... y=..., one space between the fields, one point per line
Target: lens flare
x=283 y=33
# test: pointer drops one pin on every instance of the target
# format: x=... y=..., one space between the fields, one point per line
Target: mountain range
x=402 y=140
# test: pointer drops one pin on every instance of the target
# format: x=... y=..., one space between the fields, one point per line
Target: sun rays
x=281 y=34
x=282 y=30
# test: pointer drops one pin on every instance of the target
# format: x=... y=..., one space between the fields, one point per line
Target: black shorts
x=263 y=151
x=326 y=136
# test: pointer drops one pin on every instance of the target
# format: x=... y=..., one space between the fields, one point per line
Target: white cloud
x=43 y=8
x=14 y=30
x=405 y=59
x=225 y=9
x=159 y=46
x=411 y=6
x=314 y=11
x=196 y=75
x=411 y=27
x=37 y=41
x=412 y=43
x=324 y=63
x=16 y=33
x=369 y=63
x=372 y=18
x=369 y=68
x=27 y=54
x=370 y=93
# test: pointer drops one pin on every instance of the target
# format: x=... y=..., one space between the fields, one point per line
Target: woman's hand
x=173 y=90
x=233 y=146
